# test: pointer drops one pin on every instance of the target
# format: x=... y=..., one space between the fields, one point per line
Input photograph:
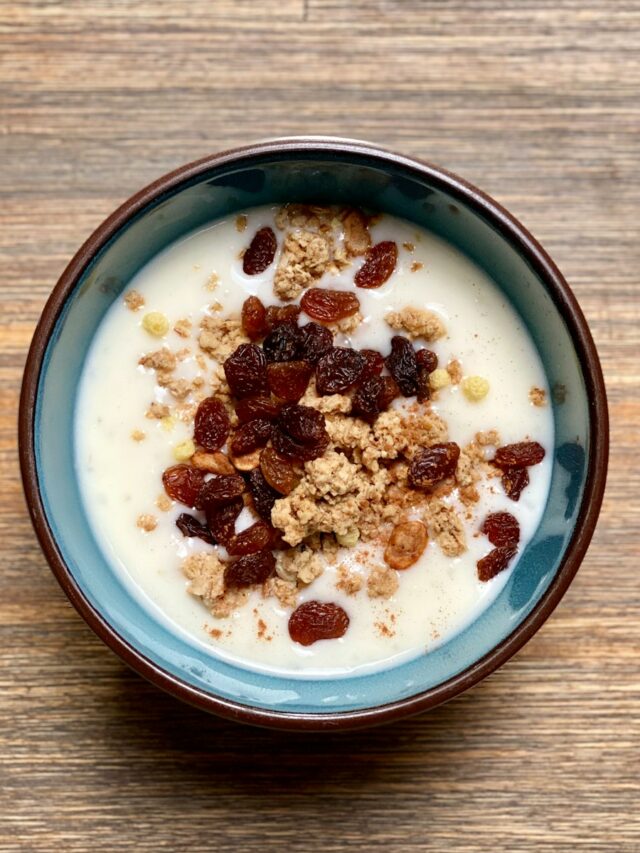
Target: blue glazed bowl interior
x=333 y=178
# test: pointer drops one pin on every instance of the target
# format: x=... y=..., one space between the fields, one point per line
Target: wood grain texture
x=538 y=103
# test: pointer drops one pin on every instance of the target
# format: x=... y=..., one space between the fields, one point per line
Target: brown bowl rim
x=566 y=303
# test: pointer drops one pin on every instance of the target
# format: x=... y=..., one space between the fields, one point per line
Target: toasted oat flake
x=158 y=411
x=133 y=300
x=416 y=266
x=183 y=327
x=212 y=282
x=305 y=256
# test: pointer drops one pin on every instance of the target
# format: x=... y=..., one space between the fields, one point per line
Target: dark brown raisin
x=222 y=520
x=278 y=473
x=379 y=263
x=211 y=426
x=317 y=620
x=254 y=408
x=251 y=436
x=519 y=455
x=183 y=483
x=279 y=314
x=283 y=343
x=246 y=371
x=433 y=464
x=189 y=526
x=250 y=540
x=364 y=402
x=261 y=252
x=249 y=570
x=501 y=528
x=423 y=389
x=303 y=424
x=315 y=342
x=221 y=489
x=262 y=494
x=295 y=451
x=254 y=318
x=339 y=370
x=514 y=481
x=402 y=365
x=288 y=380
x=328 y=306
x=374 y=362
x=495 y=562
x=388 y=393
x=427 y=358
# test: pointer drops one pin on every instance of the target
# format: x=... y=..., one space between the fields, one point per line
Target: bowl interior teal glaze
x=321 y=176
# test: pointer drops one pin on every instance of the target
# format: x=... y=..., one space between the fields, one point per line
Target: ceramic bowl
x=334 y=171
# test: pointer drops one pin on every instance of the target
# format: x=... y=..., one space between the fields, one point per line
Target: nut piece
x=156 y=324
x=248 y=461
x=184 y=450
x=348 y=539
x=216 y=463
x=475 y=388
x=439 y=378
x=407 y=542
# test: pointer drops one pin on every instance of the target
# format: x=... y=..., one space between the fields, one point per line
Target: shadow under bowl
x=331 y=171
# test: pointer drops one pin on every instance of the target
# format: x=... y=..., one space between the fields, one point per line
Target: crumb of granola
x=347 y=325
x=156 y=324
x=183 y=353
x=201 y=361
x=357 y=238
x=157 y=411
x=410 y=247
x=382 y=582
x=454 y=369
x=241 y=222
x=348 y=539
x=309 y=216
x=133 y=300
x=164 y=502
x=186 y=412
x=185 y=450
x=168 y=423
x=147 y=522
x=488 y=438
x=162 y=360
x=284 y=590
x=138 y=435
x=220 y=337
x=231 y=600
x=416 y=266
x=183 y=327
x=538 y=396
x=330 y=405
x=417 y=322
x=446 y=527
x=305 y=256
x=299 y=564
x=212 y=282
x=349 y=582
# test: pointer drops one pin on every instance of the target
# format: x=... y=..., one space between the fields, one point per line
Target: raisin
x=278 y=473
x=317 y=620
x=189 y=526
x=222 y=520
x=261 y=252
x=262 y=494
x=402 y=365
x=251 y=436
x=288 y=380
x=388 y=393
x=211 y=427
x=283 y=343
x=423 y=389
x=254 y=318
x=433 y=464
x=379 y=262
x=315 y=342
x=221 y=489
x=406 y=544
x=519 y=455
x=303 y=424
x=246 y=371
x=373 y=364
x=501 y=528
x=514 y=481
x=251 y=540
x=249 y=570
x=364 y=402
x=427 y=358
x=495 y=562
x=338 y=370
x=295 y=451
x=254 y=408
x=183 y=483
x=328 y=306
x=279 y=314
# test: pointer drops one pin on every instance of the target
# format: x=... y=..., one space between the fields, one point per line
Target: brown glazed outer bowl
x=324 y=170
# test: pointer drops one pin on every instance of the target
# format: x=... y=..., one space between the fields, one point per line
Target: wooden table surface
x=536 y=102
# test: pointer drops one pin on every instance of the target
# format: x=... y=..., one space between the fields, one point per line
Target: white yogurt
x=121 y=479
